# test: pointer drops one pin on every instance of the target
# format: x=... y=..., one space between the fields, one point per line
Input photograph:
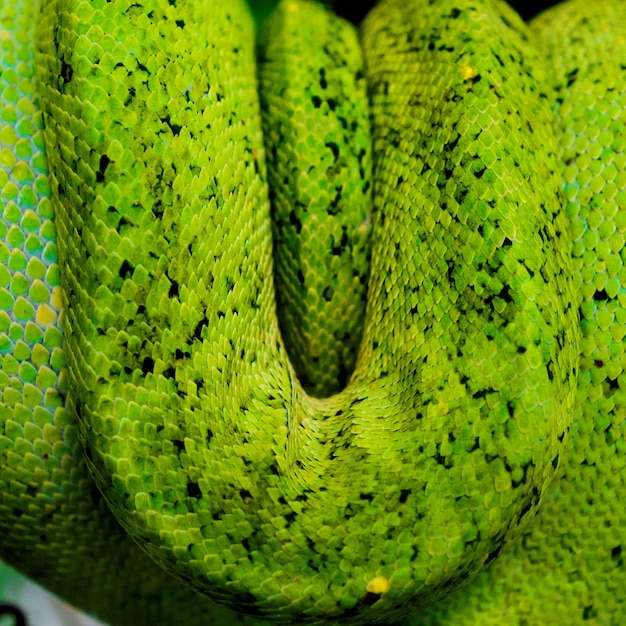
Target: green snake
x=403 y=400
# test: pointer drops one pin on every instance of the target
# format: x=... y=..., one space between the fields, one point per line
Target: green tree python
x=424 y=422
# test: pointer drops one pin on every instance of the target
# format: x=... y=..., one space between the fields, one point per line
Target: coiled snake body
x=452 y=414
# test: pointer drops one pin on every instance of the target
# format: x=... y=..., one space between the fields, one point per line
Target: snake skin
x=460 y=448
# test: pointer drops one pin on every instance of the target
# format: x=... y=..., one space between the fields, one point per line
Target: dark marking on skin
x=104 y=163
x=67 y=73
x=294 y=220
x=505 y=294
x=616 y=555
x=479 y=173
x=369 y=598
x=494 y=554
x=334 y=148
x=197 y=332
x=323 y=81
x=589 y=613
x=193 y=490
x=126 y=269
x=612 y=383
x=571 y=77
x=175 y=128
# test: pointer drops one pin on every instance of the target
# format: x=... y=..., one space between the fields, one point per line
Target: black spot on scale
x=334 y=148
x=197 y=332
x=505 y=294
x=104 y=163
x=589 y=613
x=404 y=495
x=294 y=220
x=142 y=68
x=179 y=445
x=493 y=555
x=340 y=249
x=316 y=101
x=479 y=173
x=571 y=77
x=481 y=393
x=369 y=598
x=193 y=491
x=175 y=128
x=66 y=74
x=126 y=269
x=132 y=92
x=323 y=81
x=147 y=366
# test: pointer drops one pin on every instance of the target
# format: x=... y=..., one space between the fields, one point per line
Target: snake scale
x=424 y=422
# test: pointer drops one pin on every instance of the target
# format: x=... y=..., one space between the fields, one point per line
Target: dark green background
x=355 y=12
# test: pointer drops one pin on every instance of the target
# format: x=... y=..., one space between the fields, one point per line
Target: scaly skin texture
x=316 y=123
x=568 y=567
x=460 y=412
